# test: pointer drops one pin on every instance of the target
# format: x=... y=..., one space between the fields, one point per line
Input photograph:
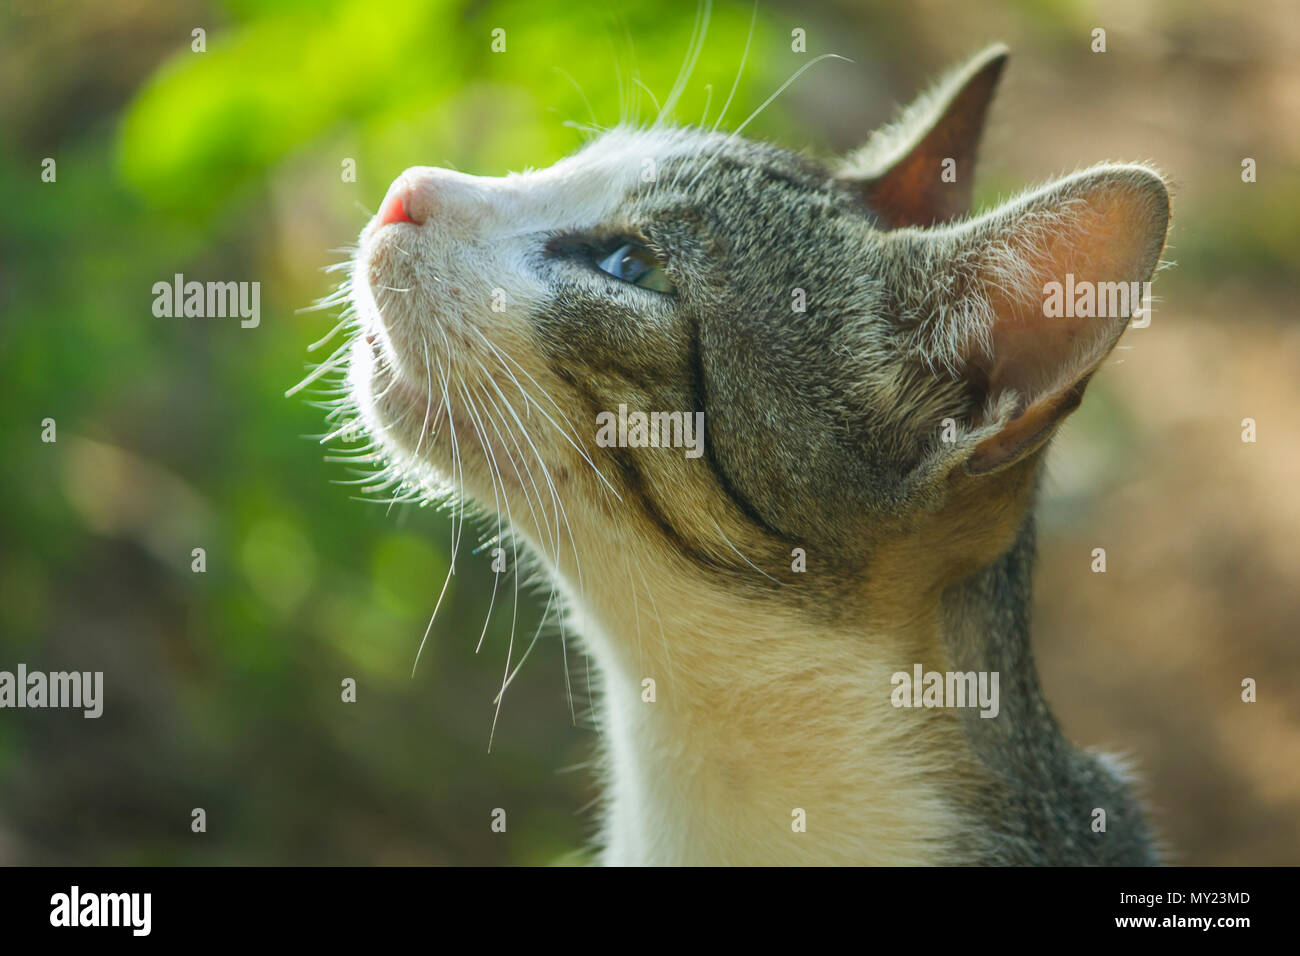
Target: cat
x=878 y=382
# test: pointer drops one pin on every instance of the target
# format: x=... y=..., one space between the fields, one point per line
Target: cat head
x=878 y=371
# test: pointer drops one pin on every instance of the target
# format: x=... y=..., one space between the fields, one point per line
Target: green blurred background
x=223 y=688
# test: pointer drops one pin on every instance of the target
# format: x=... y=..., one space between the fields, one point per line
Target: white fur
x=756 y=716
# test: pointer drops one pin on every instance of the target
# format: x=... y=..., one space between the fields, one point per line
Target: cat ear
x=1026 y=301
x=919 y=170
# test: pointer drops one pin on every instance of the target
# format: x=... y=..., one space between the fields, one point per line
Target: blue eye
x=637 y=265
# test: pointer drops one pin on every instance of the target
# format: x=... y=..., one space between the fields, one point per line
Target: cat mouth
x=424 y=407
x=386 y=380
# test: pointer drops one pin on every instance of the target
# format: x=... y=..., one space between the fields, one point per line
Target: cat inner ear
x=920 y=169
x=1031 y=299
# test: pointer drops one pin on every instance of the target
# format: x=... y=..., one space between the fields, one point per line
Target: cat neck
x=1042 y=801
x=738 y=734
x=778 y=744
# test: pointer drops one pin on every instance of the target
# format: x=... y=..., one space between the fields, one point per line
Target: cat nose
x=394 y=208
x=425 y=194
x=410 y=198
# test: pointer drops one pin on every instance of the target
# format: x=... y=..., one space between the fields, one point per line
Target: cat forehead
x=632 y=147
x=673 y=162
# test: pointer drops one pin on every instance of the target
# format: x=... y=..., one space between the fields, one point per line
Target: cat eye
x=637 y=265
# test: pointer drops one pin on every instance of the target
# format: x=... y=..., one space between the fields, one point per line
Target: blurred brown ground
x=1200 y=531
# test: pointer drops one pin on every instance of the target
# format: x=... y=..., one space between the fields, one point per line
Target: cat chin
x=429 y=446
x=389 y=407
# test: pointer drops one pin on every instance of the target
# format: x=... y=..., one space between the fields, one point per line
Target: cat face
x=860 y=361
x=488 y=295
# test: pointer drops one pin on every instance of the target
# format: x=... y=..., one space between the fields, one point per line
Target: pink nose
x=394 y=208
x=426 y=194
x=413 y=197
